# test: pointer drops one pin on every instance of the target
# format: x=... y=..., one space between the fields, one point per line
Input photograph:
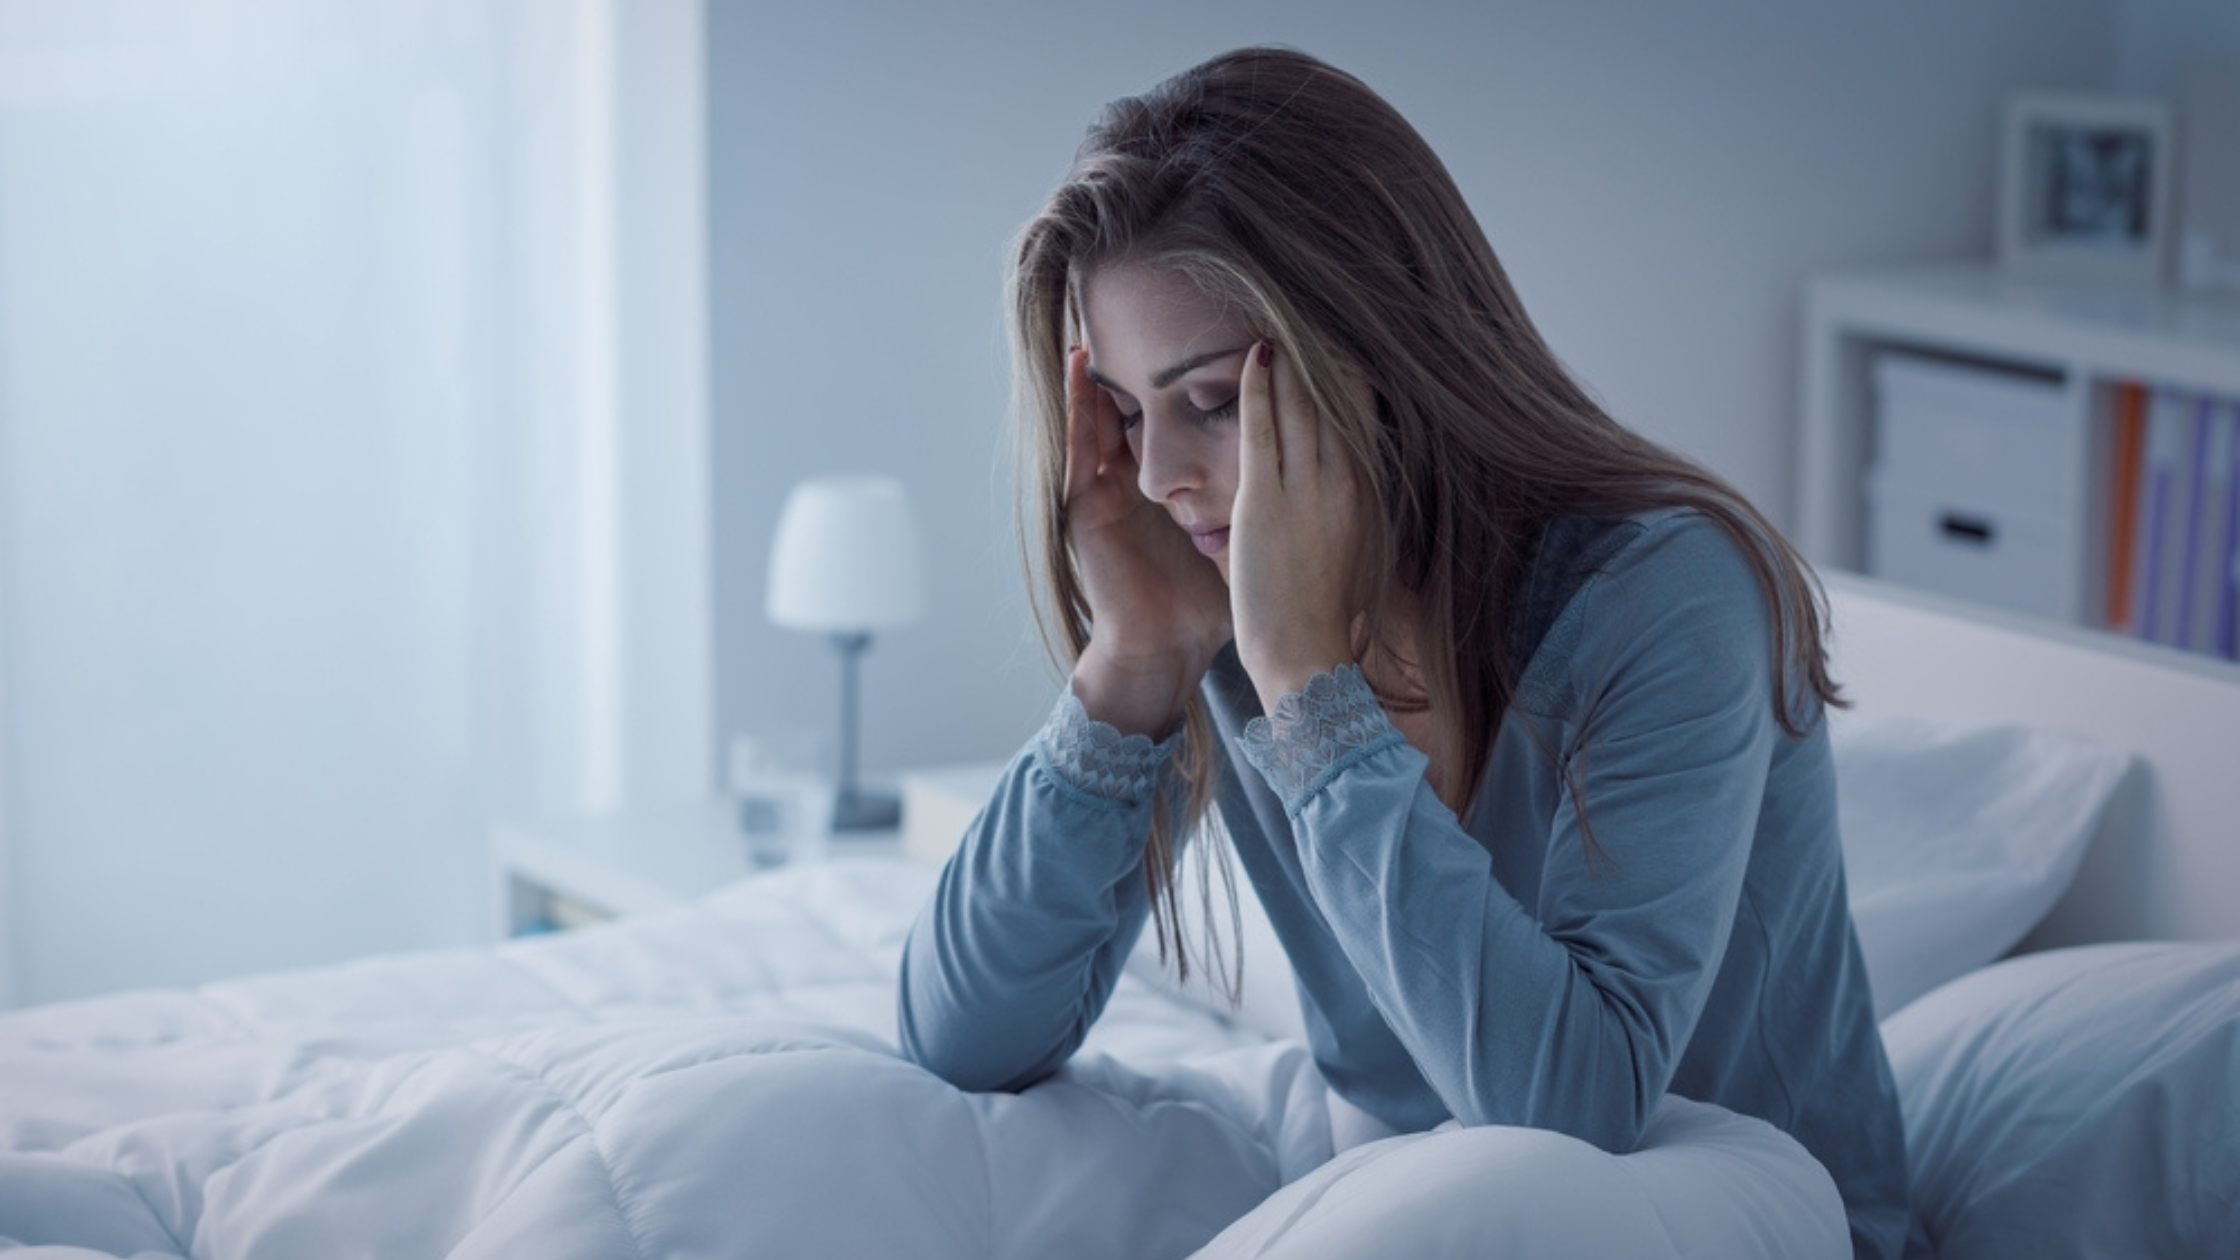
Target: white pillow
x=2077 y=1102
x=1958 y=838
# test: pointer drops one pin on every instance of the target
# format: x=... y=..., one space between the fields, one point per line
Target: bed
x=2043 y=836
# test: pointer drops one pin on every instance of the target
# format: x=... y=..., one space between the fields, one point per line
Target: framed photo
x=2086 y=187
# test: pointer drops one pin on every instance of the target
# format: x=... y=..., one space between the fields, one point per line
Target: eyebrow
x=1168 y=376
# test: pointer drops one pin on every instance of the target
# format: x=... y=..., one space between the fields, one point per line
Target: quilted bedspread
x=720 y=1080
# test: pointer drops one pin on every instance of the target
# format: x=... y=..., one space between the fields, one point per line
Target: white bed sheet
x=720 y=1080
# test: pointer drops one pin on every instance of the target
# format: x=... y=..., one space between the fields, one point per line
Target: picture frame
x=2085 y=189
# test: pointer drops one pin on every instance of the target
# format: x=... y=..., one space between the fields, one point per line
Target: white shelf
x=2087 y=336
x=555 y=872
x=558 y=872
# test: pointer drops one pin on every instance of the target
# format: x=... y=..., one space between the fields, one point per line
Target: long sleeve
x=1034 y=916
x=1570 y=1014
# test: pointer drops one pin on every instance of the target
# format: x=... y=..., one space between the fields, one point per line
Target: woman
x=1513 y=718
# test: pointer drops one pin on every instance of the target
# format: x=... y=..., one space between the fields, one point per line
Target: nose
x=1170 y=457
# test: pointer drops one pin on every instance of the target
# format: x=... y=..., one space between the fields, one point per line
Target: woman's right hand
x=1159 y=611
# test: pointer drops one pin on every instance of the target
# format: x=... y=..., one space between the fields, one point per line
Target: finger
x=1077 y=452
x=1114 y=458
x=1256 y=417
x=1298 y=426
x=1084 y=446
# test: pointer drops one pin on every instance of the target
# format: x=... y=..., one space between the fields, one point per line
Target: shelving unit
x=2089 y=338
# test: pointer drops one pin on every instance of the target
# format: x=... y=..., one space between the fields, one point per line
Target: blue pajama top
x=1499 y=970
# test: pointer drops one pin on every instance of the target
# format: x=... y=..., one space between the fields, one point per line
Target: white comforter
x=720 y=1081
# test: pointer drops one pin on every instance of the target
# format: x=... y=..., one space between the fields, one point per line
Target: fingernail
x=1267 y=353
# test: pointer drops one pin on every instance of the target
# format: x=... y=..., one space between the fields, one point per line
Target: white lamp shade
x=845 y=557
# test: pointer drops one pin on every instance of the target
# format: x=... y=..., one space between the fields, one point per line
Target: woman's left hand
x=1293 y=534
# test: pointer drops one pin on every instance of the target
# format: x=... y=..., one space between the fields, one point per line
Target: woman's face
x=1171 y=356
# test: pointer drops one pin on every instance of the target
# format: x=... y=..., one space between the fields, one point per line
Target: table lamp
x=845 y=563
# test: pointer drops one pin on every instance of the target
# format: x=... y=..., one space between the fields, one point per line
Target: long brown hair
x=1288 y=187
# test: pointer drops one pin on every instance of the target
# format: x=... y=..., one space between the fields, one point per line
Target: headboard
x=2166 y=864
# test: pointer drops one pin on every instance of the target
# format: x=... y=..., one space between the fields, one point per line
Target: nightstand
x=939 y=803
x=565 y=872
x=560 y=873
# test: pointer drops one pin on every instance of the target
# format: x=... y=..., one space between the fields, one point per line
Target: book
x=2208 y=564
x=2190 y=525
x=2169 y=425
x=2123 y=510
x=2226 y=641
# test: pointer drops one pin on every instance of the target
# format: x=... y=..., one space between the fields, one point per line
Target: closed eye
x=1217 y=412
x=1197 y=415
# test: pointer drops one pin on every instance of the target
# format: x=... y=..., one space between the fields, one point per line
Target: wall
x=1658 y=178
x=2156 y=41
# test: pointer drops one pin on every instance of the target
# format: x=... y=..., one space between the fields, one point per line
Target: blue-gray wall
x=1659 y=178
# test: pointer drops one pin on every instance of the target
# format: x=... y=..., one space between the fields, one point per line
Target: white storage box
x=1964 y=545
x=938 y=805
x=2008 y=440
x=1979 y=488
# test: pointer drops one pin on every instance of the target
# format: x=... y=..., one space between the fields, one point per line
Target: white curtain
x=352 y=464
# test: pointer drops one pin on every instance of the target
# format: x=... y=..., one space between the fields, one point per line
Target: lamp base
x=856 y=810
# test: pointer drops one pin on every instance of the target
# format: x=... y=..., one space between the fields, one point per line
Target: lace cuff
x=1315 y=732
x=1095 y=759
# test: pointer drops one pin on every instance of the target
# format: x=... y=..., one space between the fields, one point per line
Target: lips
x=1210 y=541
